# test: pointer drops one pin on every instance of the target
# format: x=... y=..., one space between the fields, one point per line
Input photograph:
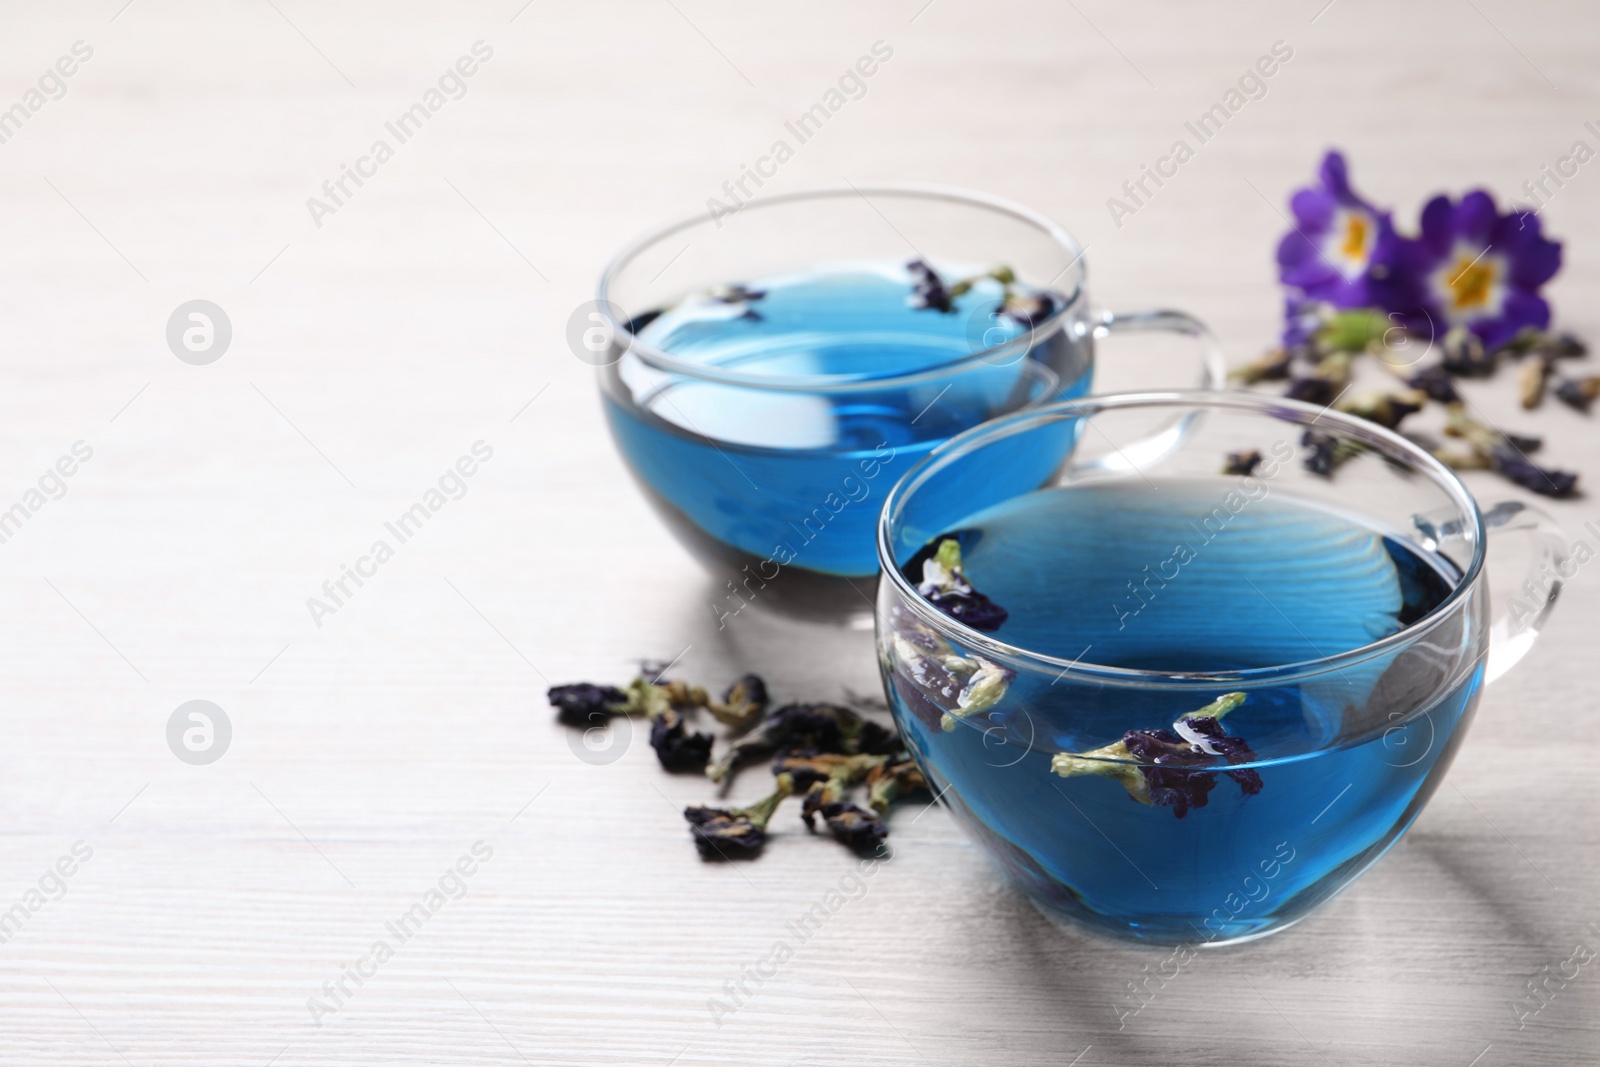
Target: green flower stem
x=1115 y=761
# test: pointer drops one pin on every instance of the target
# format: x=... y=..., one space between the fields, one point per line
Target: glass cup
x=1349 y=612
x=768 y=458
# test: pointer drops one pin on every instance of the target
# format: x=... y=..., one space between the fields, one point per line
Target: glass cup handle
x=1161 y=443
x=1518 y=623
x=1213 y=372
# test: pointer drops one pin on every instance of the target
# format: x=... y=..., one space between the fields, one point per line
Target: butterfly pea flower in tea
x=1168 y=768
x=939 y=684
x=945 y=586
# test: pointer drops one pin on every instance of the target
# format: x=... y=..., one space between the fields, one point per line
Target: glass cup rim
x=998 y=429
x=1015 y=348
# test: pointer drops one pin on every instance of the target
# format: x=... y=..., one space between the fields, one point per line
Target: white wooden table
x=369 y=754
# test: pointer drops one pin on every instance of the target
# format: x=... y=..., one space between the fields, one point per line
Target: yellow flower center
x=1355 y=236
x=1471 y=283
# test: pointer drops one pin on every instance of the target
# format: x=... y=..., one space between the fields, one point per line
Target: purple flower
x=1476 y=268
x=677 y=748
x=735 y=833
x=928 y=289
x=586 y=704
x=860 y=829
x=944 y=585
x=1340 y=245
x=1174 y=768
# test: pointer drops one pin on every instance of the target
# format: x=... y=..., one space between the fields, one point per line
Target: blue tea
x=1138 y=808
x=822 y=389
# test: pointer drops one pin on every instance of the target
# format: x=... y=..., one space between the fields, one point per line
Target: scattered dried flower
x=1385 y=409
x=1578 y=393
x=889 y=781
x=677 y=748
x=1272 y=366
x=735 y=833
x=1546 y=481
x=1533 y=374
x=585 y=705
x=817 y=728
x=1437 y=383
x=1325 y=451
x=1311 y=390
x=1463 y=354
x=1244 y=463
x=742 y=704
x=860 y=829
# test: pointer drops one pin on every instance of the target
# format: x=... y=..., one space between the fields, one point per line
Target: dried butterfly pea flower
x=676 y=748
x=1462 y=353
x=937 y=683
x=852 y=825
x=1546 y=481
x=1546 y=344
x=814 y=727
x=1507 y=455
x=736 y=294
x=889 y=781
x=583 y=704
x=945 y=586
x=1244 y=463
x=739 y=294
x=1174 y=768
x=735 y=833
x=1533 y=375
x=1385 y=409
x=1273 y=366
x=1326 y=451
x=1028 y=309
x=742 y=704
x=856 y=827
x=808 y=767
x=928 y=290
x=1311 y=390
x=1578 y=393
x=1437 y=383
x=666 y=705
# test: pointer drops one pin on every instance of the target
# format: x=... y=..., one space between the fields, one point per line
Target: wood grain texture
x=370 y=753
